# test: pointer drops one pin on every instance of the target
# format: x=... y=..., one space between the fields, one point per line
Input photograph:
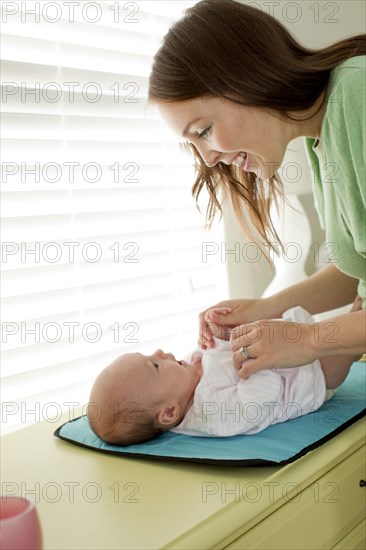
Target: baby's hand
x=215 y=325
x=196 y=358
x=212 y=313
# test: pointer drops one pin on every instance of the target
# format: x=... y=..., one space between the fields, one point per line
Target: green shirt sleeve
x=337 y=162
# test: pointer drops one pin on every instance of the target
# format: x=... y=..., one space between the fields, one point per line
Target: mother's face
x=224 y=131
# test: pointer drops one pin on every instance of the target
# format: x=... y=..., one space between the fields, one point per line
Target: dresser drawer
x=354 y=540
x=317 y=517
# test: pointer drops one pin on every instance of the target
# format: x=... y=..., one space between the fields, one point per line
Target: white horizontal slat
x=147 y=338
x=136 y=322
x=102 y=152
x=120 y=99
x=85 y=201
x=19 y=413
x=35 y=257
x=22 y=309
x=50 y=82
x=75 y=225
x=86 y=160
x=180 y=292
x=103 y=18
x=79 y=128
x=27 y=384
x=85 y=369
x=132 y=40
x=69 y=325
x=59 y=395
x=166 y=8
x=136 y=261
x=44 y=303
x=74 y=175
x=79 y=226
x=17 y=48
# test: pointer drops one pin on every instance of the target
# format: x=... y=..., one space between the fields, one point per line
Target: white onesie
x=225 y=404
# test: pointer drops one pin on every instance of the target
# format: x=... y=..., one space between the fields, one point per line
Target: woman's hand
x=275 y=343
x=271 y=344
x=220 y=319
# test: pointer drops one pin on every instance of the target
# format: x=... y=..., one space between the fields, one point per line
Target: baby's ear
x=168 y=416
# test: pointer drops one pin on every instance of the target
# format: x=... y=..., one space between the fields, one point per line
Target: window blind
x=103 y=249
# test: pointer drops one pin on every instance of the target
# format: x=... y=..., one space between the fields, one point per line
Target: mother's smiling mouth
x=240 y=160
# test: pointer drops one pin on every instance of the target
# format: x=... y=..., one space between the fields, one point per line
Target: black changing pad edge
x=219 y=462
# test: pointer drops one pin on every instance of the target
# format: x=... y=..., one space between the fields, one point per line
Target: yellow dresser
x=90 y=500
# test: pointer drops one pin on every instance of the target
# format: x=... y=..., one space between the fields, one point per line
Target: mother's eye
x=204 y=133
x=156 y=365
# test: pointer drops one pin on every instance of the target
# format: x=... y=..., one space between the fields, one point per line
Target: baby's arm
x=214 y=323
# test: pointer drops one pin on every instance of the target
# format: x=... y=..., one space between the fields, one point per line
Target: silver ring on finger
x=244 y=351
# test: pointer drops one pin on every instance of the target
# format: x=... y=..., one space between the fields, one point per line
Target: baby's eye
x=156 y=365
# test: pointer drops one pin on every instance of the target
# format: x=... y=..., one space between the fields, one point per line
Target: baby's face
x=161 y=378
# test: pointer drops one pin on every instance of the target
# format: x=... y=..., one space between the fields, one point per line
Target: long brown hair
x=210 y=52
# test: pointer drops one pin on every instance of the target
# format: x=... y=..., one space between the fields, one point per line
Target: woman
x=238 y=87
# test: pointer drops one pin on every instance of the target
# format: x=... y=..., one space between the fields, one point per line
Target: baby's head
x=137 y=397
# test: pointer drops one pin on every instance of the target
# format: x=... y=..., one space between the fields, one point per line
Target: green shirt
x=337 y=162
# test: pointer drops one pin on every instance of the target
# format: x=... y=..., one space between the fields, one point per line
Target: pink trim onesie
x=225 y=404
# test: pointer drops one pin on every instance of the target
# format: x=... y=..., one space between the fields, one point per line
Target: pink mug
x=19 y=524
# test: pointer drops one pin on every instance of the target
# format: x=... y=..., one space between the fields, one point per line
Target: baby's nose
x=162 y=355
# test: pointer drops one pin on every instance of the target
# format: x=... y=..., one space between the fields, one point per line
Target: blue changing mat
x=279 y=444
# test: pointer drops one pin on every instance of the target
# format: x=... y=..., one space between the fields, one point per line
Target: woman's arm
x=341 y=335
x=282 y=344
x=323 y=291
x=327 y=289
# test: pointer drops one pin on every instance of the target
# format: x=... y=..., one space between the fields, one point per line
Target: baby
x=138 y=397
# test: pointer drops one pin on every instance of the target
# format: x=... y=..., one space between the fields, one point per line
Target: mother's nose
x=209 y=157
